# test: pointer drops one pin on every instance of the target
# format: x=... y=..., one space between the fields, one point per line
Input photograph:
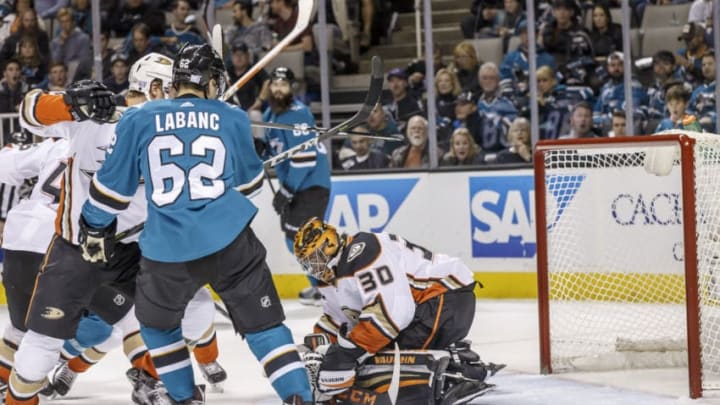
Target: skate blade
x=476 y=394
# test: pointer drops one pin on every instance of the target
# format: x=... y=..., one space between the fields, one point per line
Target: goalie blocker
x=434 y=377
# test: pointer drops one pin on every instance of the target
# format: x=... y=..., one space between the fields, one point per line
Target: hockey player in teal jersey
x=197 y=157
x=304 y=179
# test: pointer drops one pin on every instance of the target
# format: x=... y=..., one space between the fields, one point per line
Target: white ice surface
x=504 y=331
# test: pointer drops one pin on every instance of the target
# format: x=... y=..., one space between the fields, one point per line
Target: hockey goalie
x=394 y=318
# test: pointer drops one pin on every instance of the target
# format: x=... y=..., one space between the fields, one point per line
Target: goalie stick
x=306 y=10
x=372 y=97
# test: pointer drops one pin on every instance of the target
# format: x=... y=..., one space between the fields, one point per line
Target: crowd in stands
x=482 y=107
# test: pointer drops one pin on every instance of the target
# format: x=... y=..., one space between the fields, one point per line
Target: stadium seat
x=665 y=16
x=291 y=59
x=489 y=49
x=661 y=38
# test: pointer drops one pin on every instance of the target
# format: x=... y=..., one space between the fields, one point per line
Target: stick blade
x=217 y=39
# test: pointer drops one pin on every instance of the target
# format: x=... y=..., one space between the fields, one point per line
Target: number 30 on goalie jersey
x=191 y=153
x=380 y=279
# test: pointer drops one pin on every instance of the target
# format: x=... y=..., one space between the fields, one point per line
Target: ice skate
x=214 y=374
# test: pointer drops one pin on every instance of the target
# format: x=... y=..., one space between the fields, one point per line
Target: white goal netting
x=616 y=260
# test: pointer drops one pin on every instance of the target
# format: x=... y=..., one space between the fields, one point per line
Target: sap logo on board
x=643 y=209
x=502 y=216
x=367 y=205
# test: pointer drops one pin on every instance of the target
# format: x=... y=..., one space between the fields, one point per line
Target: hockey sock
x=289 y=244
x=92 y=330
x=137 y=353
x=275 y=350
x=206 y=348
x=8 y=346
x=172 y=360
x=85 y=360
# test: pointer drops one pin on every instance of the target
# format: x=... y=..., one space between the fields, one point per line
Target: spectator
x=677 y=98
x=403 y=105
x=466 y=114
x=132 y=12
x=690 y=57
x=555 y=102
x=509 y=20
x=250 y=96
x=416 y=72
x=416 y=154
x=72 y=47
x=482 y=19
x=581 y=122
x=12 y=91
x=381 y=123
x=665 y=71
x=515 y=67
x=142 y=44
x=466 y=65
x=700 y=12
x=32 y=65
x=29 y=26
x=117 y=82
x=12 y=22
x=497 y=111
x=612 y=93
x=82 y=15
x=286 y=13
x=48 y=8
x=179 y=33
x=606 y=36
x=463 y=150
x=564 y=37
x=57 y=78
x=256 y=35
x=520 y=150
x=365 y=156
x=447 y=88
x=618 y=124
x=106 y=53
x=702 y=101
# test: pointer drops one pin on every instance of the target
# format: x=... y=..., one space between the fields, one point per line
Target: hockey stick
x=129 y=232
x=306 y=10
x=395 y=378
x=372 y=97
x=308 y=128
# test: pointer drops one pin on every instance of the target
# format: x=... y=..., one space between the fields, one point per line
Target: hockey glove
x=282 y=199
x=337 y=372
x=90 y=101
x=97 y=244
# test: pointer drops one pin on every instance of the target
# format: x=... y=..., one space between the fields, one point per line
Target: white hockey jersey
x=88 y=142
x=380 y=279
x=29 y=225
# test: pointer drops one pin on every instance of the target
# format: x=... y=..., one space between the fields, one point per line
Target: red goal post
x=628 y=244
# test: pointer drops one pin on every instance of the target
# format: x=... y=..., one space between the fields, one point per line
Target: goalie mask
x=317 y=247
x=198 y=64
x=151 y=67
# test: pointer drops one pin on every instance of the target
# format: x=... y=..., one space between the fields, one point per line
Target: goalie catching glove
x=97 y=244
x=337 y=372
x=88 y=99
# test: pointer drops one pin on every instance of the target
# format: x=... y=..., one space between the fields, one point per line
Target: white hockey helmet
x=153 y=66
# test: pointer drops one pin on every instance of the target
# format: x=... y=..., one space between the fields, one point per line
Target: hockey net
x=628 y=246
